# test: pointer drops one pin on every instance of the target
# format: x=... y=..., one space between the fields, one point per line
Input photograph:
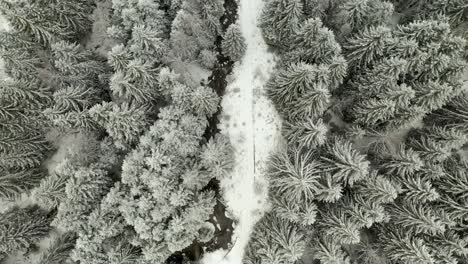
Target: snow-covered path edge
x=253 y=126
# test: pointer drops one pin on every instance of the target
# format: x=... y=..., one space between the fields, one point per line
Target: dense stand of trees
x=374 y=109
x=375 y=166
x=136 y=179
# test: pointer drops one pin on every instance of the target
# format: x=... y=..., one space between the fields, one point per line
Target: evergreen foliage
x=84 y=192
x=234 y=43
x=58 y=251
x=20 y=228
x=275 y=241
x=281 y=20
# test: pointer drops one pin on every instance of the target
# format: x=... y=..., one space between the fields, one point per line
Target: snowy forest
x=233 y=132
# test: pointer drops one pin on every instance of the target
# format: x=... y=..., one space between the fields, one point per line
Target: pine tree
x=429 y=150
x=357 y=14
x=304 y=214
x=280 y=21
x=328 y=251
x=58 y=251
x=337 y=225
x=346 y=165
x=401 y=247
x=14 y=183
x=403 y=162
x=308 y=133
x=453 y=115
x=294 y=81
x=84 y=192
x=217 y=156
x=367 y=46
x=432 y=96
x=377 y=188
x=294 y=175
x=275 y=241
x=373 y=111
x=416 y=218
x=234 y=43
x=22 y=227
x=205 y=101
x=328 y=189
x=417 y=190
x=51 y=191
x=314 y=44
x=124 y=122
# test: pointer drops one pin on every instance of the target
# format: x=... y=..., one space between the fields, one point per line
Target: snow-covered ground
x=253 y=125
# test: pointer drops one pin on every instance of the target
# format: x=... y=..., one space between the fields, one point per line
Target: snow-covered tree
x=353 y=15
x=294 y=175
x=22 y=227
x=84 y=191
x=328 y=251
x=345 y=164
x=234 y=43
x=58 y=250
x=299 y=90
x=404 y=248
x=280 y=21
x=287 y=243
x=124 y=123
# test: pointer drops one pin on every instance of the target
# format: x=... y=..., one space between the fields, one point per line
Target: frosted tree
x=294 y=175
x=414 y=67
x=352 y=15
x=346 y=164
x=367 y=45
x=453 y=115
x=22 y=227
x=51 y=191
x=234 y=43
x=328 y=251
x=84 y=192
x=49 y=21
x=309 y=133
x=285 y=244
x=299 y=90
x=377 y=188
x=195 y=28
x=416 y=218
x=314 y=43
x=14 y=183
x=398 y=246
x=280 y=21
x=124 y=123
x=58 y=250
x=338 y=225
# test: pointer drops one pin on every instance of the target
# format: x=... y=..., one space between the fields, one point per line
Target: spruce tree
x=84 y=192
x=280 y=21
x=234 y=43
x=20 y=228
x=401 y=247
x=357 y=14
x=346 y=164
x=328 y=251
x=123 y=123
x=58 y=251
x=275 y=241
x=294 y=175
x=338 y=225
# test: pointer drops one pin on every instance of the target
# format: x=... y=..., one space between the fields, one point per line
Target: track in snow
x=253 y=126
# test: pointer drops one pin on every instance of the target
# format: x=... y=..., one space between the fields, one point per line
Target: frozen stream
x=253 y=126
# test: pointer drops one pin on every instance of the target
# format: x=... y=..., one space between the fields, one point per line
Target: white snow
x=253 y=126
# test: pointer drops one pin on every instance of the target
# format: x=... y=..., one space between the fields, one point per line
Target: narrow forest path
x=253 y=126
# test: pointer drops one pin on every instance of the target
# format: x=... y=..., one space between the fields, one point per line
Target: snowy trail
x=253 y=126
